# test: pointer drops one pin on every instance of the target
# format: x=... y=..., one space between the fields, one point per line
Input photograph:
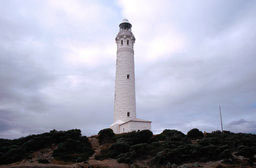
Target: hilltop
x=171 y=148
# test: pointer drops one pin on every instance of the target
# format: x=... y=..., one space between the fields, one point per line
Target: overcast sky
x=57 y=64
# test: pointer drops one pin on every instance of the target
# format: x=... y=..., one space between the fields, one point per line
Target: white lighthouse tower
x=125 y=100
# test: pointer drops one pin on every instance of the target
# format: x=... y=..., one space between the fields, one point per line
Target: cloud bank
x=57 y=64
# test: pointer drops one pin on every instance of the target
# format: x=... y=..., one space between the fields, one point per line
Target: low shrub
x=18 y=149
x=106 y=136
x=117 y=149
x=113 y=151
x=141 y=150
x=72 y=149
x=195 y=134
x=173 y=147
x=246 y=151
x=170 y=135
x=134 y=137
x=12 y=155
x=125 y=158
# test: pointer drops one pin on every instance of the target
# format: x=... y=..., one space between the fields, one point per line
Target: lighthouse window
x=122 y=42
x=127 y=42
x=128 y=76
x=128 y=114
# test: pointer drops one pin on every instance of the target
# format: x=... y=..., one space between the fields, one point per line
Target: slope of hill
x=171 y=148
x=67 y=146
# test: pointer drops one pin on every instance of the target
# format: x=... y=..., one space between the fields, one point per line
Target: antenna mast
x=221 y=119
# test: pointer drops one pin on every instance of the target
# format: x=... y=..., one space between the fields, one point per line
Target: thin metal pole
x=221 y=119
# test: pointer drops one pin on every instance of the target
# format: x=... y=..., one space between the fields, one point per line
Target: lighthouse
x=125 y=98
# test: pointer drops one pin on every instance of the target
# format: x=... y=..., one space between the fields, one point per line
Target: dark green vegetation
x=195 y=134
x=106 y=136
x=71 y=146
x=167 y=148
x=173 y=146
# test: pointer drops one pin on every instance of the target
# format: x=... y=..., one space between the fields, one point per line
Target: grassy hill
x=171 y=148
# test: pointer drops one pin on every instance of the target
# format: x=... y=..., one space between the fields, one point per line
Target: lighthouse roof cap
x=125 y=20
x=125 y=24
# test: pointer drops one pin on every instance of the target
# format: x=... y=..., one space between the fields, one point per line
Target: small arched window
x=127 y=76
x=128 y=114
x=127 y=42
x=122 y=42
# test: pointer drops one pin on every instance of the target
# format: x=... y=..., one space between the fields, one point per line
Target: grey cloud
x=215 y=69
x=242 y=125
x=41 y=90
x=37 y=92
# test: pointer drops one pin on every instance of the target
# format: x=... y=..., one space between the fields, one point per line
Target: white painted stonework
x=125 y=100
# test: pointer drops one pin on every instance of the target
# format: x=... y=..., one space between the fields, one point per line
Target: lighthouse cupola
x=125 y=37
x=125 y=24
